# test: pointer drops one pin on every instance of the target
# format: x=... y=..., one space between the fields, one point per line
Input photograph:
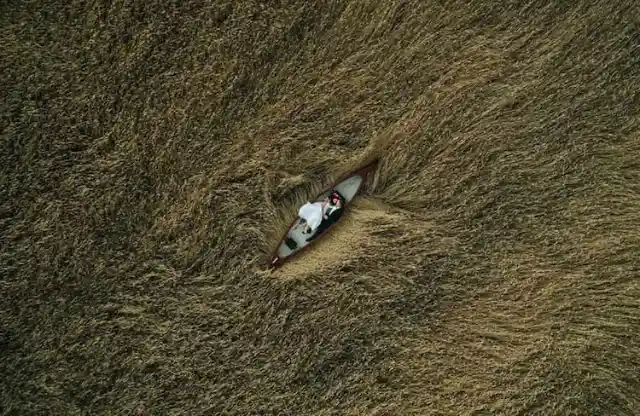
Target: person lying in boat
x=331 y=214
x=311 y=215
x=334 y=204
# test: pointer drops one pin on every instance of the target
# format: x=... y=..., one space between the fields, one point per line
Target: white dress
x=312 y=213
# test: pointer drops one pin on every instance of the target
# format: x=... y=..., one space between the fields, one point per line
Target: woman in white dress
x=312 y=214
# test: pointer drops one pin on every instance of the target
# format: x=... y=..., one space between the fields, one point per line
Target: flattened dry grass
x=153 y=152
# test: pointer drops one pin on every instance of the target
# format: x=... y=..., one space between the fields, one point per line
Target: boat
x=294 y=240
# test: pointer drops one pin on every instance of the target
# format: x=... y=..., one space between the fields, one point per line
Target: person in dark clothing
x=332 y=214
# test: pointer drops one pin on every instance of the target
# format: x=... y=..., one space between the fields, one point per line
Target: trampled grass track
x=150 y=151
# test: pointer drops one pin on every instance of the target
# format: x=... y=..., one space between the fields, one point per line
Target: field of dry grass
x=153 y=152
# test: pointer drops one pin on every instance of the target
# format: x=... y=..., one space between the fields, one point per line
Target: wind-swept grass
x=153 y=153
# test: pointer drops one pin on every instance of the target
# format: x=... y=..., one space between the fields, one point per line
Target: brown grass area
x=154 y=152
